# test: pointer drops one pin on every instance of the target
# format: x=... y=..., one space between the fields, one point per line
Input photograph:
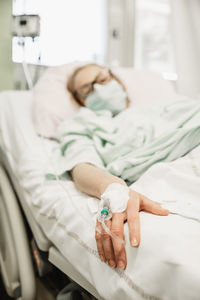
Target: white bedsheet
x=165 y=266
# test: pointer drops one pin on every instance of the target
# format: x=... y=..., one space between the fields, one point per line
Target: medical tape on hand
x=114 y=198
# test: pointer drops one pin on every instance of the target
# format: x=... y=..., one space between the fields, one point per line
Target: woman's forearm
x=92 y=180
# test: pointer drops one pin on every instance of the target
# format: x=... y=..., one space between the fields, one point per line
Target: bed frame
x=16 y=264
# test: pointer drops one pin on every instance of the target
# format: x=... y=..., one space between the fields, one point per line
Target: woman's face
x=86 y=77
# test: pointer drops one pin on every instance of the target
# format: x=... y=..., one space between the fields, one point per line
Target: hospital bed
x=15 y=258
x=16 y=262
x=68 y=240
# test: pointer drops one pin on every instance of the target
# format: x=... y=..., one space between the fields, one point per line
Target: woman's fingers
x=98 y=233
x=107 y=245
x=153 y=207
x=112 y=249
x=104 y=243
x=134 y=219
x=117 y=229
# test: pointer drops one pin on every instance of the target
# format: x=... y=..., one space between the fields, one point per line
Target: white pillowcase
x=52 y=103
x=144 y=86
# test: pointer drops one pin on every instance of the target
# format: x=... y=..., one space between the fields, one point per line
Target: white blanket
x=165 y=266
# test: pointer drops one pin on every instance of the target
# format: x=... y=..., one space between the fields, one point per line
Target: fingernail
x=102 y=258
x=121 y=265
x=134 y=242
x=111 y=263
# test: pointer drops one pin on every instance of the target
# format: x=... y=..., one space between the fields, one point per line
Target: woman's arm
x=94 y=181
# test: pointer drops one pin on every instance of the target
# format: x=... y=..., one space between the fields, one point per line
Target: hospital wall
x=6 y=65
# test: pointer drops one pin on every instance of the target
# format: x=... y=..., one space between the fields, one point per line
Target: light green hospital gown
x=128 y=144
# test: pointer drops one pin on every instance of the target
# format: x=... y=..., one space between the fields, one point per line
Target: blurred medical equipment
x=24 y=26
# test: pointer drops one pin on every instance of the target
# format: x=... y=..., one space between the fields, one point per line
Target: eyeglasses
x=103 y=77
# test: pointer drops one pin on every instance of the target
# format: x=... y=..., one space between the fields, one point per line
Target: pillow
x=144 y=86
x=52 y=103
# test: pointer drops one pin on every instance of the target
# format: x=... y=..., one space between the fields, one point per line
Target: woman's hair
x=71 y=80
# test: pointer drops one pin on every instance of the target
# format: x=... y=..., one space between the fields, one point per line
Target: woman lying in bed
x=108 y=145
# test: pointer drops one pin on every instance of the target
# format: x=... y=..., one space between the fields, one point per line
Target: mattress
x=165 y=266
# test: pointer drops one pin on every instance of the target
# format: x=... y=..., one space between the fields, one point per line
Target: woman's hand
x=94 y=181
x=111 y=249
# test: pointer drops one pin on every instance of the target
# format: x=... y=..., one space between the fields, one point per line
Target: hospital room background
x=157 y=36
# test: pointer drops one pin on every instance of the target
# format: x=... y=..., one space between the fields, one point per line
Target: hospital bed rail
x=15 y=258
x=12 y=280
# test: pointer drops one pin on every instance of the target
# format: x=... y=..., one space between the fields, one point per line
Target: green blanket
x=128 y=144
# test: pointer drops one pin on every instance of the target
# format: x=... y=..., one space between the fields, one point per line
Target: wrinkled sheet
x=128 y=144
x=165 y=266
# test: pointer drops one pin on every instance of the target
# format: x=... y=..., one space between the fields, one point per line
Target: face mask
x=109 y=96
